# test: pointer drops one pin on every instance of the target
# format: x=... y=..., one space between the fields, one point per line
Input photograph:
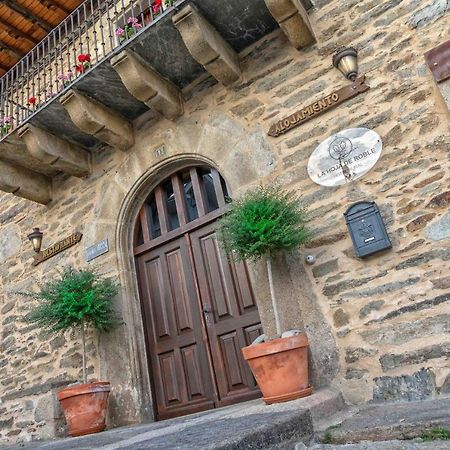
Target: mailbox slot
x=367 y=229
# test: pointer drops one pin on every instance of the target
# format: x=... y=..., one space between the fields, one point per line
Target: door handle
x=207 y=313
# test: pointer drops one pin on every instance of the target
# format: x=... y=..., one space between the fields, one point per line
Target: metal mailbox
x=367 y=229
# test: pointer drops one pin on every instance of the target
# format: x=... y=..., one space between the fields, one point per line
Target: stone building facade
x=378 y=327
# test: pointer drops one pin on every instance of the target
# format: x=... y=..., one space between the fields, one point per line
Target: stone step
x=249 y=425
x=385 y=445
x=390 y=421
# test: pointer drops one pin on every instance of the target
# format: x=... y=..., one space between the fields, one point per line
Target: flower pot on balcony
x=84 y=407
x=280 y=367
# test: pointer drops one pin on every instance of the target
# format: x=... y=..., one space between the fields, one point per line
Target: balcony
x=108 y=63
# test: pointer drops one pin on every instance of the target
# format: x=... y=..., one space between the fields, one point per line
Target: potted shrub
x=264 y=222
x=75 y=301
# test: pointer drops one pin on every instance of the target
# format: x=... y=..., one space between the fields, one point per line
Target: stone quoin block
x=99 y=121
x=207 y=46
x=25 y=183
x=55 y=152
x=293 y=20
x=148 y=86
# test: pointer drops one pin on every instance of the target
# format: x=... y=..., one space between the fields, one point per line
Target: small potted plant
x=5 y=125
x=264 y=222
x=84 y=63
x=129 y=29
x=159 y=6
x=75 y=301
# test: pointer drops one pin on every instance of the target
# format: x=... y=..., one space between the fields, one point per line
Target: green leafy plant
x=327 y=438
x=436 y=434
x=265 y=221
x=75 y=300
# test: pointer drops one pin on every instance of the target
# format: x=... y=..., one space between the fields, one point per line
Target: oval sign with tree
x=344 y=157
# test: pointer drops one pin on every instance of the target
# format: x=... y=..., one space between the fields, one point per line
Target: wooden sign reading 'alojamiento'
x=344 y=157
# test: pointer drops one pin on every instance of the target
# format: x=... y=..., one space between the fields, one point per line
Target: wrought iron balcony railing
x=75 y=47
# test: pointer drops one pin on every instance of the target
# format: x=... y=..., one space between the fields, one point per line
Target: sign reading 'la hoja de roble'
x=344 y=157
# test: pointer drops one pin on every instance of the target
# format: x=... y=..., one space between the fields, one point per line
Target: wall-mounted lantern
x=346 y=60
x=36 y=239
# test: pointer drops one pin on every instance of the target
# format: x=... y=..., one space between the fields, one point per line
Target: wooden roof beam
x=52 y=4
x=11 y=50
x=4 y=68
x=10 y=29
x=24 y=12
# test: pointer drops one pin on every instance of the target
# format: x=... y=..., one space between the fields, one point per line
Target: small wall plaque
x=160 y=151
x=57 y=248
x=344 y=157
x=367 y=229
x=96 y=250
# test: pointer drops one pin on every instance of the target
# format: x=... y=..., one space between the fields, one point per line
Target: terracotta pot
x=84 y=407
x=280 y=367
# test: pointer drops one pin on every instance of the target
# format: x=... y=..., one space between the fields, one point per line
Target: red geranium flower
x=32 y=100
x=84 y=58
x=156 y=6
x=80 y=68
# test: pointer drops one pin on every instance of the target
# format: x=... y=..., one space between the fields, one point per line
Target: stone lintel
x=207 y=46
x=293 y=20
x=25 y=183
x=148 y=86
x=99 y=121
x=55 y=152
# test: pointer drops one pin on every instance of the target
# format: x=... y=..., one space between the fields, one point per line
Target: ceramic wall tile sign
x=96 y=250
x=344 y=157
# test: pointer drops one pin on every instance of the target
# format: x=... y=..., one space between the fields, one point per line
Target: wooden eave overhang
x=23 y=23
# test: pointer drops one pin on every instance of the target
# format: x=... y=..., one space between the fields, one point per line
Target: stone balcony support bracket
x=14 y=150
x=25 y=183
x=55 y=152
x=99 y=121
x=148 y=86
x=293 y=20
x=207 y=46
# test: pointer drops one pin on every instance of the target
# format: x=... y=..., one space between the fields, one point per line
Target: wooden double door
x=199 y=311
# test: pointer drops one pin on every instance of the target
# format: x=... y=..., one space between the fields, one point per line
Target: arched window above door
x=186 y=197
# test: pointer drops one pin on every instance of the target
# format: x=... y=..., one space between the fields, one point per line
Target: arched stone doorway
x=198 y=307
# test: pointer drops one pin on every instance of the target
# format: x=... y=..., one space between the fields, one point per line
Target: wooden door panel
x=245 y=297
x=225 y=290
x=220 y=294
x=235 y=372
x=252 y=332
x=193 y=372
x=171 y=384
x=176 y=346
x=157 y=296
x=178 y=289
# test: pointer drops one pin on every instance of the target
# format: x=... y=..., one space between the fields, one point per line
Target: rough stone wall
x=388 y=314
